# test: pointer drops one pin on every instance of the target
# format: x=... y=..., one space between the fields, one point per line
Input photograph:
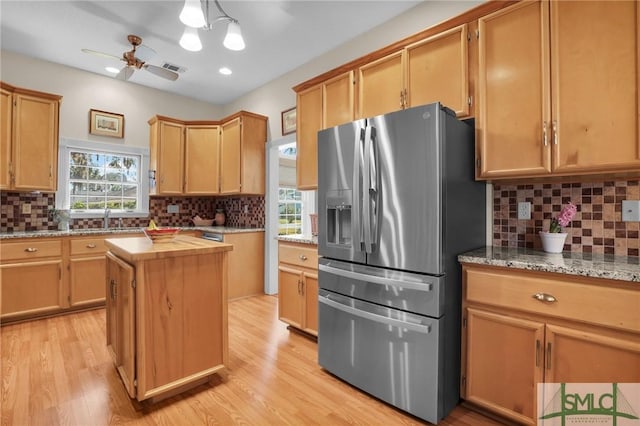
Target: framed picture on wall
x=104 y=123
x=289 y=121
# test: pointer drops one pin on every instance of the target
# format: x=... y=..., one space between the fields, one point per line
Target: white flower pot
x=553 y=242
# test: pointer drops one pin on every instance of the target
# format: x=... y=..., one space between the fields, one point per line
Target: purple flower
x=564 y=218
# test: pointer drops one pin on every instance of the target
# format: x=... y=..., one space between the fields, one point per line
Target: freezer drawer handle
x=376 y=280
x=425 y=329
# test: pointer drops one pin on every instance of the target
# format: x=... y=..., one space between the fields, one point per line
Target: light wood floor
x=57 y=371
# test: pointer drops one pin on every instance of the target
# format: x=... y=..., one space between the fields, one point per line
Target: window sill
x=112 y=214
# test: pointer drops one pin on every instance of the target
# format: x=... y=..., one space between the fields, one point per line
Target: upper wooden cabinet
x=242 y=154
x=28 y=140
x=324 y=105
x=208 y=157
x=576 y=109
x=381 y=87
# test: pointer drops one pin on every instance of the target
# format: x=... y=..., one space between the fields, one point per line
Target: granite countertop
x=116 y=231
x=624 y=268
x=299 y=238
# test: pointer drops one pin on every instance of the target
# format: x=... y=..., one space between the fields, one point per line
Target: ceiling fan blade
x=106 y=55
x=161 y=72
x=145 y=53
x=125 y=73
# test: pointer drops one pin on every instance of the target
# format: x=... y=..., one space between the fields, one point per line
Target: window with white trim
x=94 y=177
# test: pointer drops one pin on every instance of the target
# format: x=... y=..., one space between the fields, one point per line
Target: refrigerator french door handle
x=357 y=229
x=375 y=279
x=373 y=317
x=366 y=198
x=374 y=190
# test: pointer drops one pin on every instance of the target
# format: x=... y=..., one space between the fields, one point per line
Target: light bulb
x=233 y=40
x=225 y=71
x=190 y=40
x=192 y=15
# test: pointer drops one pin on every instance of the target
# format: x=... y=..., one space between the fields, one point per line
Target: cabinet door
x=504 y=363
x=35 y=143
x=338 y=100
x=170 y=158
x=594 y=47
x=122 y=332
x=245 y=267
x=437 y=71
x=310 y=302
x=31 y=288
x=6 y=108
x=202 y=161
x=381 y=86
x=87 y=277
x=289 y=299
x=309 y=121
x=513 y=91
x=230 y=152
x=574 y=356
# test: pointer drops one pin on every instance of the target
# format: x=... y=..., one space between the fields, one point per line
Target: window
x=95 y=176
x=289 y=211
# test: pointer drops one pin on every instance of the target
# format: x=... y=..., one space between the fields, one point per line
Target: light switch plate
x=631 y=210
x=524 y=210
x=173 y=208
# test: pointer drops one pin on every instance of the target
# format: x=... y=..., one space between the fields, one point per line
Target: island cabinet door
x=121 y=335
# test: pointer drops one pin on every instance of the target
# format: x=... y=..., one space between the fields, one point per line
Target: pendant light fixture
x=194 y=18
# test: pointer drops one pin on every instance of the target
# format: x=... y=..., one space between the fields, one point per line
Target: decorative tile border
x=597 y=227
x=12 y=219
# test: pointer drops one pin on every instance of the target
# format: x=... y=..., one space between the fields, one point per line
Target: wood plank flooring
x=57 y=371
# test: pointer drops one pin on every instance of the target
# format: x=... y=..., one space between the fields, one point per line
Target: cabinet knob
x=91 y=246
x=302 y=257
x=544 y=133
x=544 y=297
x=31 y=249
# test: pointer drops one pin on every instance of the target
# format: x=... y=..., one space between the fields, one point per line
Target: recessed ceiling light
x=224 y=71
x=112 y=70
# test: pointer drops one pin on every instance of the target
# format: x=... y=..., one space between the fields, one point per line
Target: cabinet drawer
x=581 y=299
x=88 y=246
x=32 y=249
x=299 y=255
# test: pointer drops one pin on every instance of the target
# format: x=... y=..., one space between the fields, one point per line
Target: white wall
x=277 y=95
x=83 y=90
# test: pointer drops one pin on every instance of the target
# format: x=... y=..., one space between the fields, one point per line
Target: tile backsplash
x=596 y=228
x=241 y=211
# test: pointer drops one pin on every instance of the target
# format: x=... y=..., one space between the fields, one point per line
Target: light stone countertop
x=624 y=268
x=116 y=231
x=299 y=238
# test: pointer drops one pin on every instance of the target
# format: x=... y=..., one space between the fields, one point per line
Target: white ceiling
x=280 y=36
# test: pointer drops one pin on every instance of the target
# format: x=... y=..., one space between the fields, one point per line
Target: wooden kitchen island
x=166 y=313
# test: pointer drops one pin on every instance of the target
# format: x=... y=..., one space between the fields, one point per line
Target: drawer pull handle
x=302 y=257
x=31 y=249
x=91 y=246
x=544 y=297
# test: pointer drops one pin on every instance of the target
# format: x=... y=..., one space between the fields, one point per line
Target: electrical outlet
x=246 y=208
x=173 y=208
x=524 y=210
x=26 y=208
x=631 y=210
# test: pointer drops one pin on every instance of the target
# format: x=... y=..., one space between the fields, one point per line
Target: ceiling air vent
x=175 y=68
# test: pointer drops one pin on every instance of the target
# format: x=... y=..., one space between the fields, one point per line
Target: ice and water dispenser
x=339 y=217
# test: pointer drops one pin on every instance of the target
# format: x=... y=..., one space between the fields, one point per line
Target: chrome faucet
x=105 y=219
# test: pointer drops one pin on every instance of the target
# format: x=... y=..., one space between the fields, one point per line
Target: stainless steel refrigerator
x=397 y=202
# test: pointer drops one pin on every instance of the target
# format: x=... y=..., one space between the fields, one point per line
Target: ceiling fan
x=137 y=58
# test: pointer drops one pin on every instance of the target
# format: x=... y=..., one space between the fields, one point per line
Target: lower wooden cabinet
x=584 y=330
x=298 y=286
x=246 y=264
x=86 y=271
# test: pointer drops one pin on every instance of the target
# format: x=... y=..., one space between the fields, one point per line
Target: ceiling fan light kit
x=190 y=16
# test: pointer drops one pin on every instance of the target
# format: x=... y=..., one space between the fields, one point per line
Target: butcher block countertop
x=141 y=248
x=624 y=268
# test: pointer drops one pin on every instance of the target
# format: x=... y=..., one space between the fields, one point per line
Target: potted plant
x=553 y=240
